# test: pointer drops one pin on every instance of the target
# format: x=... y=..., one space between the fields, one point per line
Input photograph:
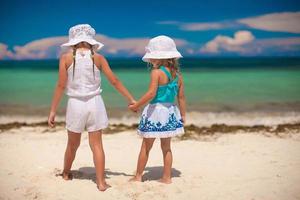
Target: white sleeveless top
x=84 y=84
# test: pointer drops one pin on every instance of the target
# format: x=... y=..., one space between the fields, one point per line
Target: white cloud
x=274 y=46
x=50 y=47
x=280 y=41
x=201 y=26
x=128 y=46
x=39 y=49
x=197 y=26
x=4 y=52
x=282 y=22
x=225 y=43
x=244 y=43
x=168 y=22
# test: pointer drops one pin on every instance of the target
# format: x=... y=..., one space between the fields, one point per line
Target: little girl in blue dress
x=161 y=118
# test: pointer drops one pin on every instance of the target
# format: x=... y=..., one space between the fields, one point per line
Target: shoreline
x=114 y=111
x=197 y=118
x=191 y=131
x=199 y=126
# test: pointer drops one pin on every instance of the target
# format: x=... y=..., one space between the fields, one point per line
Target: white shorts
x=86 y=113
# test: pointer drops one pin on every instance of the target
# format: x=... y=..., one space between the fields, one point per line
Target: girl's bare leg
x=72 y=146
x=95 y=141
x=143 y=158
x=168 y=158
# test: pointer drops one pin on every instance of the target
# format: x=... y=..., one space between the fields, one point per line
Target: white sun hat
x=161 y=47
x=82 y=33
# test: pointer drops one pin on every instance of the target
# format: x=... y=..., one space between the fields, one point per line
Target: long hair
x=172 y=63
x=74 y=59
x=92 y=57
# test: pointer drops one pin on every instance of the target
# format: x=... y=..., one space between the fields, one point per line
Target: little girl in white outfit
x=85 y=108
x=79 y=73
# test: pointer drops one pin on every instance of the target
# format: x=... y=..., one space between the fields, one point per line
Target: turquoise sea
x=211 y=84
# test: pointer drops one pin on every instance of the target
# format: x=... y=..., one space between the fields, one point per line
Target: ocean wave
x=200 y=119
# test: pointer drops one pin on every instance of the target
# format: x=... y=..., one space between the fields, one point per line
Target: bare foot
x=103 y=187
x=165 y=180
x=107 y=185
x=135 y=179
x=66 y=175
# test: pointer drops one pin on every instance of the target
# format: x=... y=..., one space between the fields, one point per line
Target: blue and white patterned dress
x=161 y=118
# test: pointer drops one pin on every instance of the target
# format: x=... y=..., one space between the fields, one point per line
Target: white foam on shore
x=245 y=118
x=196 y=118
x=4 y=119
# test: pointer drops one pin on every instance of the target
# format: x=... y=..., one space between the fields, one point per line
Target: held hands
x=51 y=119
x=133 y=106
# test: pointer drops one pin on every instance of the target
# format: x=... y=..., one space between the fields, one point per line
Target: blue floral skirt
x=160 y=120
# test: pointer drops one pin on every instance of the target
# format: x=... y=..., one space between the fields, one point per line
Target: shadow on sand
x=155 y=173
x=89 y=173
x=151 y=173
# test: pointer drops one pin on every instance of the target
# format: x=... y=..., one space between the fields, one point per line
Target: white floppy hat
x=161 y=47
x=82 y=33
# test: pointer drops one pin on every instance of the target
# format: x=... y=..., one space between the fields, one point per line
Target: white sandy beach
x=230 y=166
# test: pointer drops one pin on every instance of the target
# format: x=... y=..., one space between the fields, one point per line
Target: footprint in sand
x=31 y=193
x=56 y=171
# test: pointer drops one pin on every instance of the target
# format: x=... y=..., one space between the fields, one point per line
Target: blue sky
x=196 y=25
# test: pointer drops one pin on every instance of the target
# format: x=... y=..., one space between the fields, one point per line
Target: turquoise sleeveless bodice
x=166 y=93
